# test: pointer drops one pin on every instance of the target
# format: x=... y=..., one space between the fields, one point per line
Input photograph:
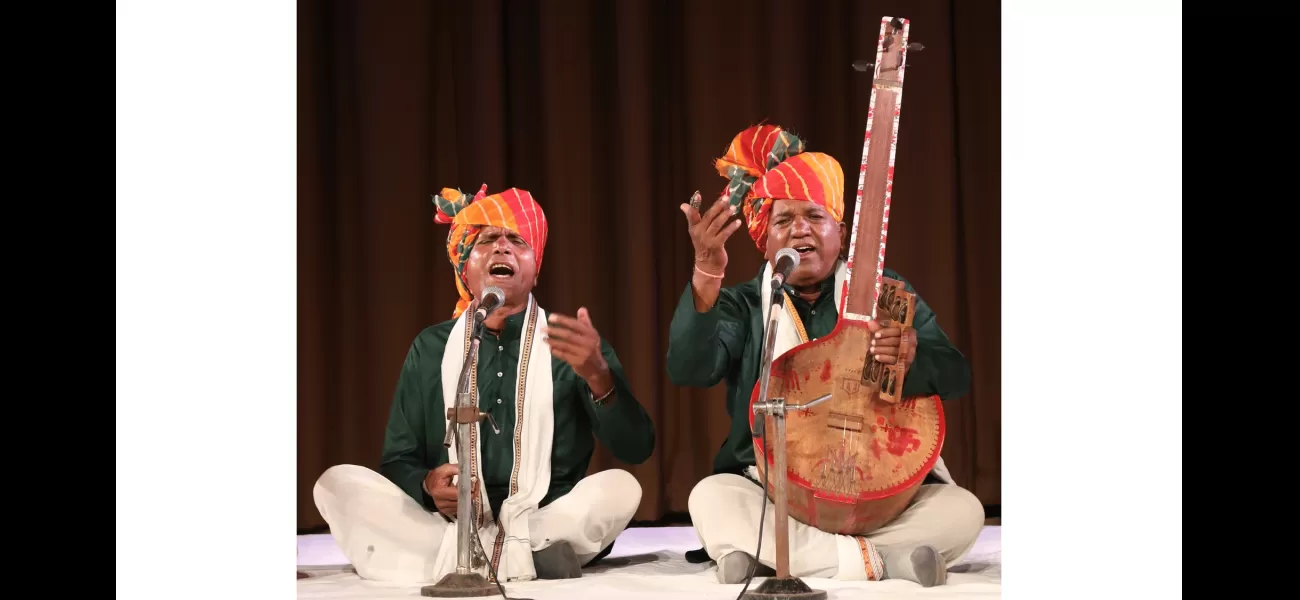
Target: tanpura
x=857 y=452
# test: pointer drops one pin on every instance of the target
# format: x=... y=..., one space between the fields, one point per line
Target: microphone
x=491 y=300
x=787 y=260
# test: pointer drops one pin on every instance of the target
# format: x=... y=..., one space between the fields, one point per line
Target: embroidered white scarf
x=506 y=537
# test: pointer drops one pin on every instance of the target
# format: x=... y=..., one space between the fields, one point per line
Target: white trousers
x=725 y=511
x=388 y=536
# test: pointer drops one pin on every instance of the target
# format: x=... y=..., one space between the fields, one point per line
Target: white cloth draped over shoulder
x=505 y=537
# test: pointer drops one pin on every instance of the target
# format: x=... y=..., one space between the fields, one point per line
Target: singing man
x=551 y=385
x=795 y=199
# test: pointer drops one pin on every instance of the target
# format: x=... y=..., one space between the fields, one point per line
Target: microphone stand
x=464 y=583
x=783 y=586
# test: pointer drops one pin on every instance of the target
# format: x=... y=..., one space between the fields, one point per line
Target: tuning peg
x=863 y=66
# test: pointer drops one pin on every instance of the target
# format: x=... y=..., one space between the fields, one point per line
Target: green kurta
x=417 y=420
x=725 y=344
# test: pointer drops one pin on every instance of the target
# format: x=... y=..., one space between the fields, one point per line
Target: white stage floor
x=650 y=563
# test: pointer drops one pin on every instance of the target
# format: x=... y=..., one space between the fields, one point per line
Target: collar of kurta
x=827 y=286
x=512 y=329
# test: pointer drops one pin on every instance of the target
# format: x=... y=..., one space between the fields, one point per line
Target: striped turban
x=513 y=209
x=765 y=163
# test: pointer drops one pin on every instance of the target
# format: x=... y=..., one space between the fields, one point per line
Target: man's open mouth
x=804 y=251
x=501 y=271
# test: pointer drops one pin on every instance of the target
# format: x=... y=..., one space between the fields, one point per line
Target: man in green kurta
x=549 y=386
x=794 y=199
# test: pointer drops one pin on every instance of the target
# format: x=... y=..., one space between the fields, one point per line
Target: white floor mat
x=650 y=563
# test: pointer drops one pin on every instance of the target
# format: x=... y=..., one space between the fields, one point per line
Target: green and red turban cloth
x=765 y=163
x=513 y=209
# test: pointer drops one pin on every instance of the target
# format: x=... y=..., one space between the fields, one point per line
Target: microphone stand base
x=467 y=585
x=784 y=588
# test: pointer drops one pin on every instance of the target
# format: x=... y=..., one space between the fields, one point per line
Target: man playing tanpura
x=550 y=384
x=795 y=199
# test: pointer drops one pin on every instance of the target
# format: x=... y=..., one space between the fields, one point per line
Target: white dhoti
x=725 y=512
x=388 y=536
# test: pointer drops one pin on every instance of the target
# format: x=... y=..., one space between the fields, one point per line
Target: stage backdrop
x=611 y=113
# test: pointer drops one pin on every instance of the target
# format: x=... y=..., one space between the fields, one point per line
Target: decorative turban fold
x=513 y=209
x=765 y=163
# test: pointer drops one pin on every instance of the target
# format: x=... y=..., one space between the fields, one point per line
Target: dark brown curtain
x=611 y=114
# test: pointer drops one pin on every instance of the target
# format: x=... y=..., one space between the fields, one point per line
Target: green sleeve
x=939 y=368
x=621 y=423
x=406 y=439
x=702 y=346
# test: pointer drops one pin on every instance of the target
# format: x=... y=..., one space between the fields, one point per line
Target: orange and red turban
x=513 y=209
x=765 y=163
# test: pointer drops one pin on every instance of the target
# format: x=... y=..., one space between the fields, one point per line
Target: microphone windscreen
x=492 y=297
x=787 y=256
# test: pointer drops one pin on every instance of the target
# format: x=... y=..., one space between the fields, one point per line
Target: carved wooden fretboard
x=862 y=286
